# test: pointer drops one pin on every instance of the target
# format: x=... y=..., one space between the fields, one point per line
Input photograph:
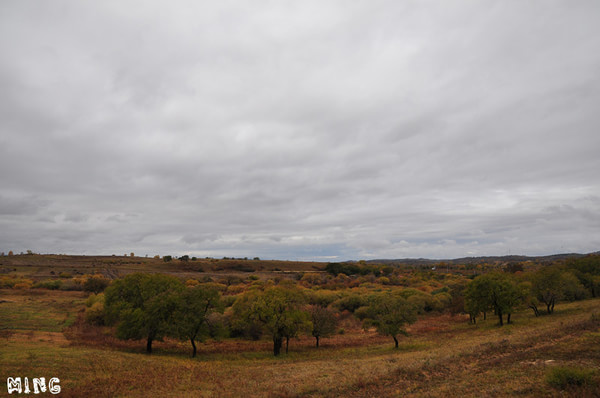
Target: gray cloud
x=314 y=130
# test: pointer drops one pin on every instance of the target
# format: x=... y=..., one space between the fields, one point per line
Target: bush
x=350 y=302
x=93 y=299
x=95 y=284
x=191 y=283
x=563 y=377
x=71 y=285
x=95 y=314
x=48 y=284
x=65 y=275
x=22 y=285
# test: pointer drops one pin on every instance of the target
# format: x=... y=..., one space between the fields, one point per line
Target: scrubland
x=43 y=335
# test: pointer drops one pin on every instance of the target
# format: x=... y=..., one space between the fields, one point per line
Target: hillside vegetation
x=502 y=329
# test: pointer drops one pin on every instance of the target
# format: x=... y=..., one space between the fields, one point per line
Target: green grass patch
x=563 y=377
x=39 y=313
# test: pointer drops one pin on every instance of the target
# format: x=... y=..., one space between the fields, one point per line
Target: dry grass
x=443 y=356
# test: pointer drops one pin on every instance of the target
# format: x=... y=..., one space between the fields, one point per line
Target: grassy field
x=38 y=267
x=42 y=336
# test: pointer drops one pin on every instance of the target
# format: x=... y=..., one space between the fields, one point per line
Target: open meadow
x=43 y=335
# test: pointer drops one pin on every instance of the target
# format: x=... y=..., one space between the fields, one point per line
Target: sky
x=313 y=130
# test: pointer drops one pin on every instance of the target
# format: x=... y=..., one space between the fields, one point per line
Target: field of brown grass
x=42 y=336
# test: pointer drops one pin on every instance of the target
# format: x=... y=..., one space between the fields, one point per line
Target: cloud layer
x=300 y=130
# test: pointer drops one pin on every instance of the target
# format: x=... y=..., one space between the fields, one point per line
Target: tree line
x=155 y=306
x=501 y=293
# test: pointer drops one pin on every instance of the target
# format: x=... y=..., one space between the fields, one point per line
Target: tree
x=389 y=313
x=323 y=321
x=528 y=297
x=554 y=283
x=587 y=270
x=495 y=291
x=142 y=306
x=278 y=310
x=191 y=319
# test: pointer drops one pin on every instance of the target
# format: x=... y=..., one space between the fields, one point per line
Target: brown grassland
x=43 y=335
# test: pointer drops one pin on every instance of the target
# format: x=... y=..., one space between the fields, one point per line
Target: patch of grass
x=564 y=377
x=50 y=311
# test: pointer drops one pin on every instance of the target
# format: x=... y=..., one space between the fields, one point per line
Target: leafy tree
x=587 y=270
x=278 y=310
x=554 y=283
x=143 y=305
x=324 y=322
x=192 y=317
x=389 y=313
x=528 y=297
x=495 y=291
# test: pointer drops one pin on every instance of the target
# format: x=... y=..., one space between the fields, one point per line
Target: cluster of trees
x=154 y=306
x=504 y=292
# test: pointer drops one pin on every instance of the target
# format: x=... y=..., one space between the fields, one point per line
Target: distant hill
x=480 y=260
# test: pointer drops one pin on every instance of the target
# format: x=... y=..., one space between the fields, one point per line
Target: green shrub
x=350 y=302
x=71 y=285
x=93 y=299
x=95 y=314
x=564 y=376
x=96 y=284
x=48 y=284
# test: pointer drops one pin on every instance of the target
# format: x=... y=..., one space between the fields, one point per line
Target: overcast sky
x=311 y=130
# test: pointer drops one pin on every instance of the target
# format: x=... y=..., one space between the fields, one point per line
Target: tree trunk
x=535 y=310
x=500 y=318
x=277 y=341
x=317 y=337
x=287 y=344
x=194 y=348
x=508 y=318
x=395 y=341
x=149 y=345
x=484 y=315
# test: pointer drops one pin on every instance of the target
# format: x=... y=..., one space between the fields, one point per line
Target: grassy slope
x=39 y=267
x=443 y=356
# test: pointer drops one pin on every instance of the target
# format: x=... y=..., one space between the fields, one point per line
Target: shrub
x=95 y=314
x=350 y=302
x=48 y=284
x=564 y=376
x=22 y=285
x=71 y=285
x=191 y=283
x=65 y=275
x=95 y=284
x=93 y=299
